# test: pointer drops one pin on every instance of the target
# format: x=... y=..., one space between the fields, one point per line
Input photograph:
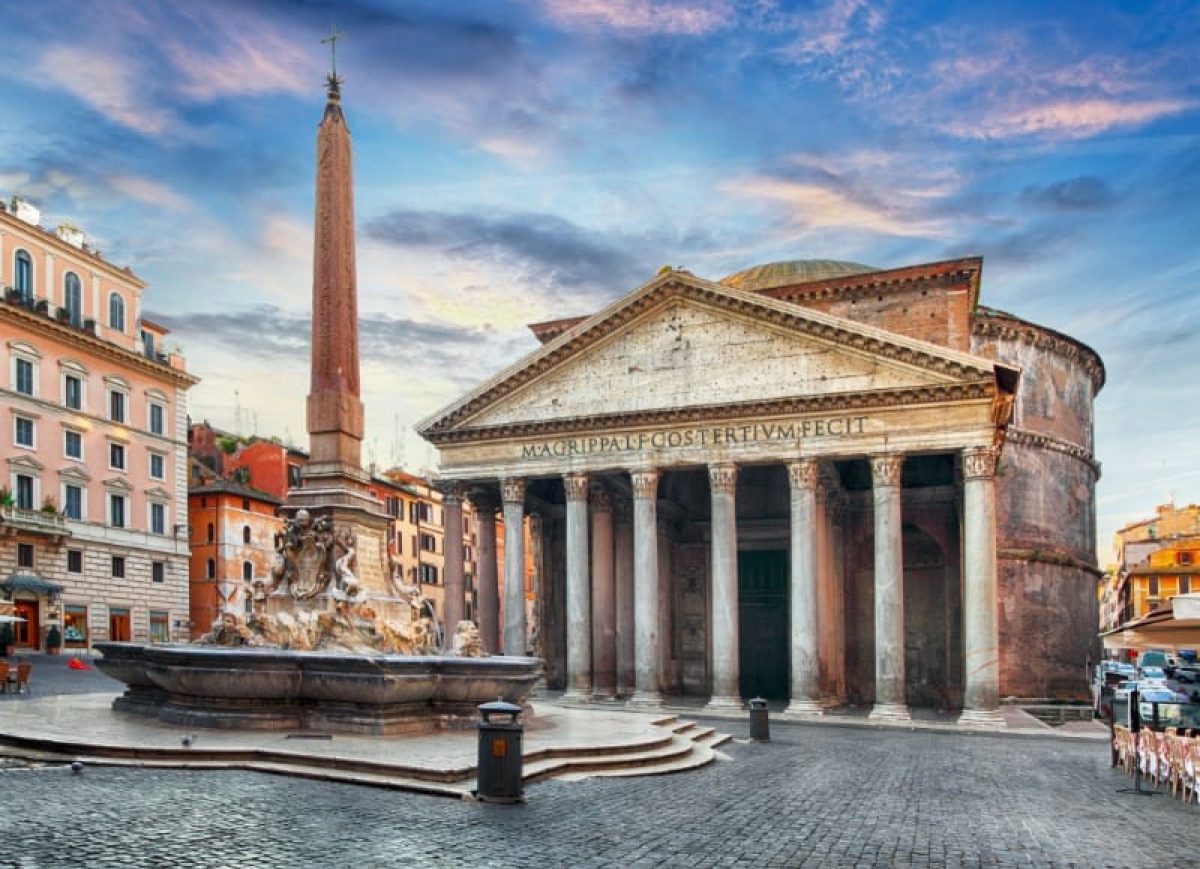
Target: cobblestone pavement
x=821 y=796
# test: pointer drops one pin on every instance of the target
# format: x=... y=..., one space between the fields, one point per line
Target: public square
x=819 y=795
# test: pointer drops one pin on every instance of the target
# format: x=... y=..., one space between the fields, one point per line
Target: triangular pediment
x=681 y=343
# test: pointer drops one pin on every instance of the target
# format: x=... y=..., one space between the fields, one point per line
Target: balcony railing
x=14 y=519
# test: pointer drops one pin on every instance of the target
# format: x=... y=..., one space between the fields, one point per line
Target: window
x=429 y=543
x=158 y=518
x=23 y=431
x=1184 y=557
x=116 y=405
x=210 y=569
x=158 y=571
x=74 y=561
x=245 y=533
x=246 y=504
x=116 y=312
x=247 y=571
x=23 y=376
x=73 y=502
x=72 y=392
x=23 y=276
x=116 y=511
x=293 y=476
x=148 y=344
x=73 y=299
x=429 y=574
x=75 y=629
x=210 y=532
x=24 y=555
x=72 y=444
x=158 y=416
x=160 y=626
x=1153 y=590
x=25 y=491
x=118 y=566
x=116 y=456
x=158 y=464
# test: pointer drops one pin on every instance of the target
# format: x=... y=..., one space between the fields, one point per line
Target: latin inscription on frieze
x=713 y=436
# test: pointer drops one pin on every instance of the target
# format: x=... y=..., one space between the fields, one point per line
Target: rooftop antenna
x=237 y=412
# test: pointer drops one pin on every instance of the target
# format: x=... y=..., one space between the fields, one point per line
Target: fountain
x=334 y=640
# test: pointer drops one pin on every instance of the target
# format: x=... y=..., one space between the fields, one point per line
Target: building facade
x=812 y=481
x=93 y=507
x=1157 y=558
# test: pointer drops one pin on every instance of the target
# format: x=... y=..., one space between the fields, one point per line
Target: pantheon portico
x=783 y=484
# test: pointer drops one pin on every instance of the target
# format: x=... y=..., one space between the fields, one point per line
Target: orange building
x=93 y=501
x=232 y=533
x=1157 y=558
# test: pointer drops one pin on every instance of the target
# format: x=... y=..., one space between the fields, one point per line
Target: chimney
x=71 y=234
x=24 y=211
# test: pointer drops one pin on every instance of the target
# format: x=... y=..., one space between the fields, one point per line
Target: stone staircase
x=674 y=745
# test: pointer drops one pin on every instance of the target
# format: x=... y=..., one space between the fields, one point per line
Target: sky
x=528 y=160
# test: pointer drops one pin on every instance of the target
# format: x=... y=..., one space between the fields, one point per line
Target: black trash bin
x=499 y=775
x=760 y=725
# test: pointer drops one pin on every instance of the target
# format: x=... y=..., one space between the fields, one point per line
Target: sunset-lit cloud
x=1070 y=119
x=683 y=17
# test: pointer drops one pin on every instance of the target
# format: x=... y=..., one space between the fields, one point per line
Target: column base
x=577 y=695
x=645 y=700
x=982 y=719
x=805 y=708
x=604 y=694
x=889 y=712
x=723 y=704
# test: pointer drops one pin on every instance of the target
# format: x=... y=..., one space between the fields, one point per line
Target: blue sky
x=520 y=161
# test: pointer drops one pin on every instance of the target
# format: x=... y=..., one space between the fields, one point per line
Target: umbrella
x=4 y=619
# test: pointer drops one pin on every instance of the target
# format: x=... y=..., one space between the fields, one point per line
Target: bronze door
x=763 y=624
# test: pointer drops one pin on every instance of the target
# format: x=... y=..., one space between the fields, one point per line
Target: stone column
x=889 y=590
x=648 y=688
x=604 y=597
x=455 y=587
x=726 y=695
x=486 y=581
x=579 y=615
x=512 y=492
x=981 y=643
x=806 y=670
x=624 y=569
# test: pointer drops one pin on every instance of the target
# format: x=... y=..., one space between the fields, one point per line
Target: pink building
x=93 y=440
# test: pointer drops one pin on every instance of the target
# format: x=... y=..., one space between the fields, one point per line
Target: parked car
x=1154 y=674
x=1187 y=674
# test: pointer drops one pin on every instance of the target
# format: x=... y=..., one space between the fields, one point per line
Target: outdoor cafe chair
x=4 y=677
x=21 y=683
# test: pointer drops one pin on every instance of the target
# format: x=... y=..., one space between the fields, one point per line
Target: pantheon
x=811 y=481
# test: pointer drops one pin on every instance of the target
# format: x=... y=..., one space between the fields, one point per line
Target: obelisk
x=333 y=483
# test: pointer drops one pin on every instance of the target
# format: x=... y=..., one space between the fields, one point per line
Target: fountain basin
x=277 y=689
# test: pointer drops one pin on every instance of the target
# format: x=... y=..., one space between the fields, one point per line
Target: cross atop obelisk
x=332 y=81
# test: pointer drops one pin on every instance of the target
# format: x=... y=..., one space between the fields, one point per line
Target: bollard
x=760 y=725
x=499 y=776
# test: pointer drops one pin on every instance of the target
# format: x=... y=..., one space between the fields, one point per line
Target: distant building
x=1157 y=558
x=93 y=498
x=232 y=535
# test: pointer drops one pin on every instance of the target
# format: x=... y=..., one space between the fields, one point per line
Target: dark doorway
x=763 y=624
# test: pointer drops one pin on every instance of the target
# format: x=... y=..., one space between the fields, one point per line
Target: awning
x=30 y=582
x=1177 y=627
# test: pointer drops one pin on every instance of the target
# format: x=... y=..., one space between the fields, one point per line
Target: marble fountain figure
x=316 y=652
x=334 y=640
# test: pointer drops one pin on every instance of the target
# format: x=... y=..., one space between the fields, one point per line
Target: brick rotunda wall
x=1046 y=510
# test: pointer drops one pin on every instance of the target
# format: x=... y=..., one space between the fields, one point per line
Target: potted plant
x=6 y=497
x=48 y=505
x=53 y=640
x=7 y=639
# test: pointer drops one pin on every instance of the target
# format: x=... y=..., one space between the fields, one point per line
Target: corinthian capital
x=512 y=490
x=979 y=463
x=802 y=473
x=885 y=469
x=576 y=486
x=452 y=492
x=723 y=478
x=645 y=483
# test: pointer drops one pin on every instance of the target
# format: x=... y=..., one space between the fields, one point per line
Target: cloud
x=558 y=251
x=109 y=83
x=843 y=42
x=1066 y=119
x=674 y=17
x=150 y=192
x=1085 y=193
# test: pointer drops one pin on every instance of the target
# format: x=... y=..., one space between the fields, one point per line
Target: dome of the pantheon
x=792 y=271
